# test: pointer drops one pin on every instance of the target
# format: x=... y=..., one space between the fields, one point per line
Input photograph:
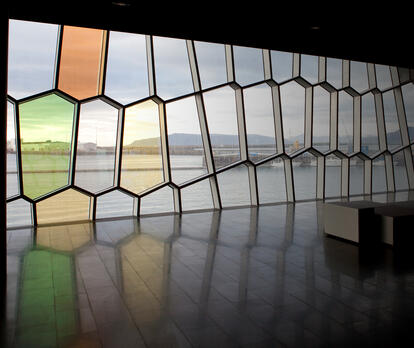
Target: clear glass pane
x=271 y=181
x=220 y=106
x=46 y=135
x=260 y=124
x=19 y=213
x=383 y=76
x=304 y=176
x=81 y=59
x=408 y=96
x=391 y=121
x=95 y=156
x=334 y=72
x=114 y=204
x=356 y=176
x=184 y=141
x=172 y=69
x=332 y=176
x=160 y=201
x=321 y=119
x=400 y=171
x=32 y=54
x=248 y=65
x=11 y=171
x=379 y=182
x=234 y=187
x=369 y=128
x=309 y=68
x=345 y=123
x=292 y=101
x=141 y=166
x=69 y=205
x=282 y=65
x=211 y=60
x=126 y=71
x=197 y=196
x=359 y=76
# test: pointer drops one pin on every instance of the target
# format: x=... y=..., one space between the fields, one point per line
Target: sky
x=33 y=53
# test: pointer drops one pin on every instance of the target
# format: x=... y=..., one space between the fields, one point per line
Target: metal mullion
x=409 y=166
x=322 y=69
x=368 y=177
x=39 y=95
x=19 y=163
x=381 y=128
x=290 y=190
x=136 y=206
x=345 y=177
x=320 y=177
x=308 y=116
x=333 y=115
x=346 y=74
x=152 y=86
x=195 y=180
x=277 y=114
x=103 y=61
x=74 y=147
x=372 y=78
x=229 y=63
x=254 y=196
x=34 y=213
x=92 y=207
x=177 y=200
x=296 y=65
x=58 y=57
x=402 y=120
x=192 y=59
x=267 y=64
x=241 y=124
x=166 y=165
x=389 y=172
x=357 y=123
x=230 y=166
x=395 y=79
x=118 y=148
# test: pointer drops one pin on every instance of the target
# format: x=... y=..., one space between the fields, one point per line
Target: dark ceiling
x=340 y=29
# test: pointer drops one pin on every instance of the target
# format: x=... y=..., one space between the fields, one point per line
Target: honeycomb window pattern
x=107 y=124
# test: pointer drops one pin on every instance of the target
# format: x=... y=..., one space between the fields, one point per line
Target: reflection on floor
x=251 y=277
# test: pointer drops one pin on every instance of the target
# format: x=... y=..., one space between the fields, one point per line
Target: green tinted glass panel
x=46 y=135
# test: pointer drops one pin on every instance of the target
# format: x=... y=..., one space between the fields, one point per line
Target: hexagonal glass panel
x=369 y=128
x=359 y=76
x=248 y=65
x=309 y=66
x=197 y=196
x=81 y=61
x=282 y=65
x=391 y=121
x=32 y=54
x=66 y=238
x=332 y=176
x=141 y=166
x=172 y=69
x=408 y=97
x=11 y=166
x=260 y=123
x=46 y=135
x=345 y=123
x=126 y=69
x=271 y=183
x=292 y=100
x=400 y=171
x=114 y=204
x=234 y=187
x=321 y=119
x=19 y=213
x=220 y=106
x=356 y=176
x=379 y=181
x=159 y=201
x=334 y=72
x=184 y=141
x=69 y=205
x=383 y=75
x=304 y=176
x=211 y=61
x=95 y=154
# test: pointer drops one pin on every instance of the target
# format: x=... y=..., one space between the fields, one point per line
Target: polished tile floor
x=248 y=277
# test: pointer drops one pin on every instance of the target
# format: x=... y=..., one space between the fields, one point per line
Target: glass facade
x=106 y=124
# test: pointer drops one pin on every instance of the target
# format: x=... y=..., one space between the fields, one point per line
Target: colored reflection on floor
x=248 y=277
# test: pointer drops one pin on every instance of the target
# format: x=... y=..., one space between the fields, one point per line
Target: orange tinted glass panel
x=81 y=61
